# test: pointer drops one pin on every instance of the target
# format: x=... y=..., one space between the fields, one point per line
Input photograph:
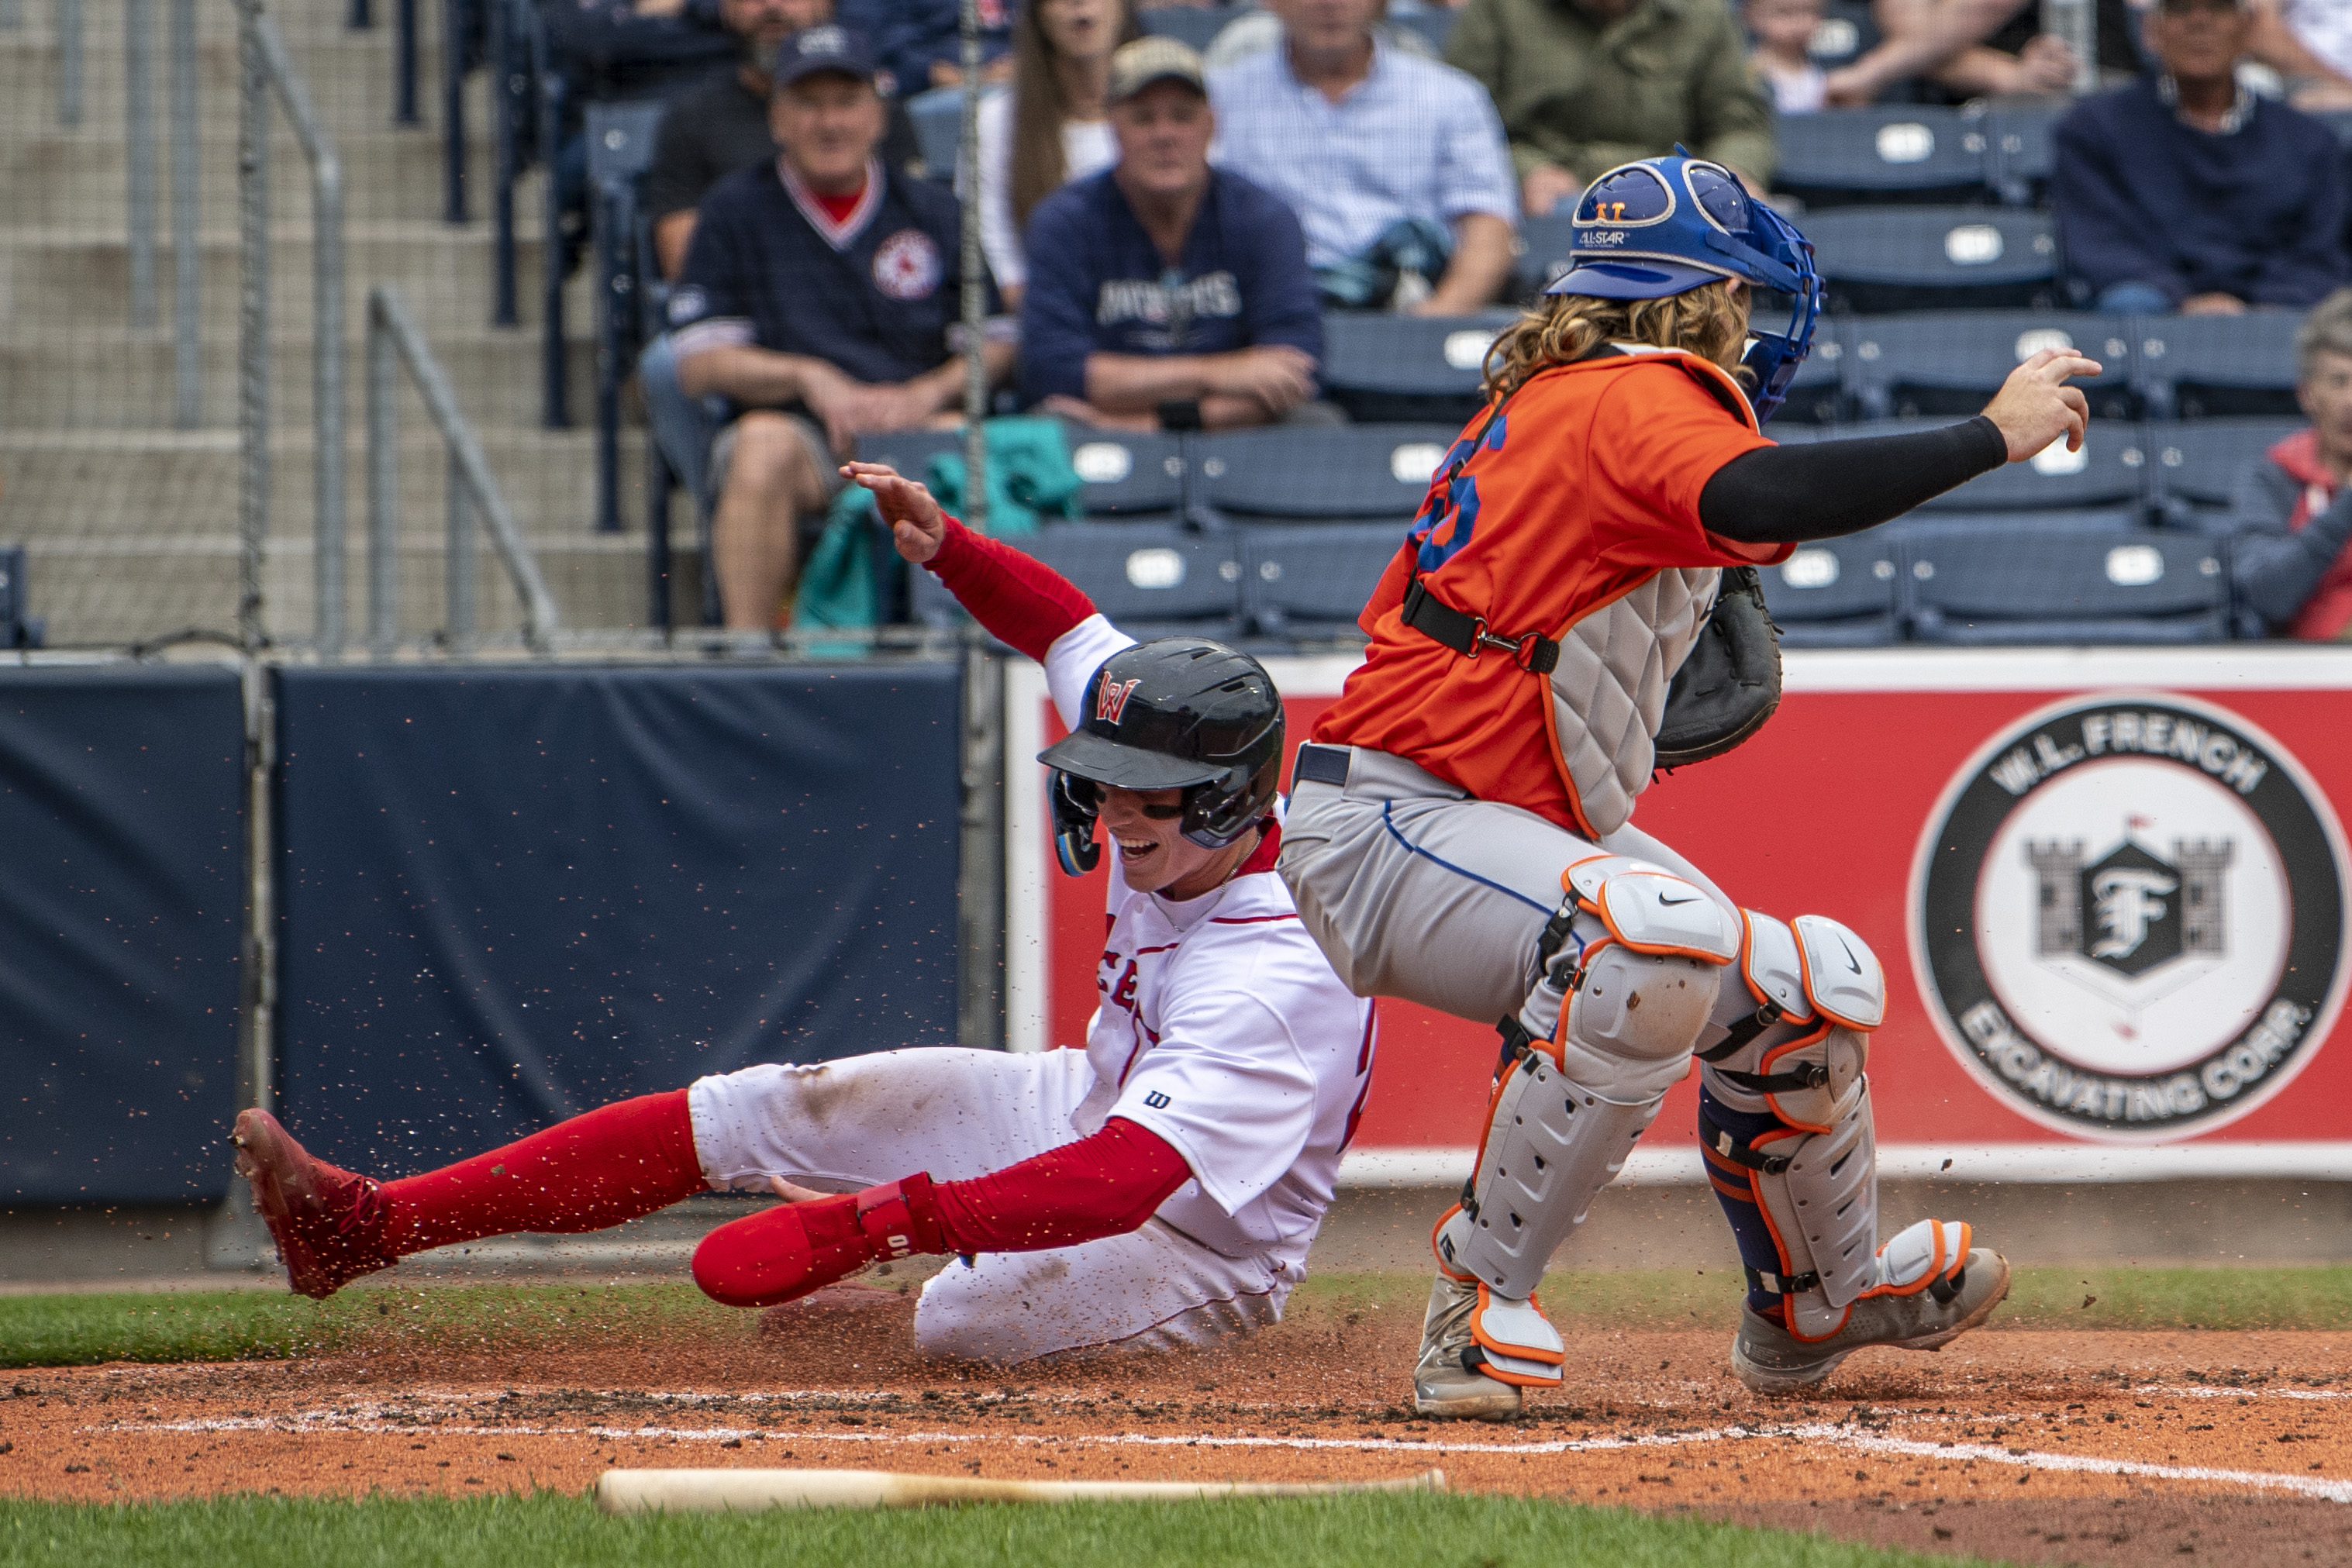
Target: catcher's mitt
x=1730 y=683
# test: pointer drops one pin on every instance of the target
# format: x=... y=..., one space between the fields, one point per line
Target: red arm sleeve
x=1022 y=600
x=1103 y=1185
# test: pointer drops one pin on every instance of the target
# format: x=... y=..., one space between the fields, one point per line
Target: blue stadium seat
x=1309 y=581
x=1358 y=473
x=1914 y=152
x=2197 y=463
x=620 y=137
x=1880 y=259
x=1403 y=370
x=2019 y=583
x=1818 y=395
x=1838 y=593
x=937 y=115
x=1194 y=25
x=1951 y=362
x=2022 y=151
x=1847 y=32
x=1543 y=252
x=2208 y=366
x=1434 y=26
x=1133 y=476
x=1152 y=580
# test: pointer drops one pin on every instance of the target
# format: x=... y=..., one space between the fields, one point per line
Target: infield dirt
x=2027 y=1445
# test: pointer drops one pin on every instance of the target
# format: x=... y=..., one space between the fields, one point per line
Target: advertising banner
x=2107 y=887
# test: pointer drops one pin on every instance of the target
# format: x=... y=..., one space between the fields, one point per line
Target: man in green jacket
x=1586 y=85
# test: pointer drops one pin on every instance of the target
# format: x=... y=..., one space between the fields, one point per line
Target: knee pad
x=1629 y=1004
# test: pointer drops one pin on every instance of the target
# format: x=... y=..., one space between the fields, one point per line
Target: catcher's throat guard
x=1179 y=713
x=1661 y=226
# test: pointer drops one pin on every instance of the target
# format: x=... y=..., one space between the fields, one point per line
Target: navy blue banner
x=510 y=896
x=121 y=909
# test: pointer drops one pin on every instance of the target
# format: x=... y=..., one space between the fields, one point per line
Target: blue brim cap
x=1642 y=279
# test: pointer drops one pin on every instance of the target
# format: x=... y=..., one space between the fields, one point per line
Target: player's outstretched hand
x=2035 y=407
x=918 y=526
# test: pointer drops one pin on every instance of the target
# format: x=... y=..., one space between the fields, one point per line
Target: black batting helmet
x=1181 y=712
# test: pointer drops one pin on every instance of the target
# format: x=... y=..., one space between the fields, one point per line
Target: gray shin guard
x=1824 y=1210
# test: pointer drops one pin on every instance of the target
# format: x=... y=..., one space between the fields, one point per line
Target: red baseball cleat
x=328 y=1224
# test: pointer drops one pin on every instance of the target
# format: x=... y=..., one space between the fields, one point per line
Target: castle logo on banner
x=2128 y=917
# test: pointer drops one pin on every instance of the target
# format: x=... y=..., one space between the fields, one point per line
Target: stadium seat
x=1194 y=25
x=2021 y=152
x=1310 y=581
x=1403 y=370
x=1847 y=33
x=2197 y=463
x=620 y=139
x=2019 y=583
x=1951 y=362
x=1132 y=476
x=1817 y=396
x=1544 y=244
x=1356 y=473
x=1880 y=259
x=1151 y=579
x=1888 y=152
x=2205 y=367
x=1838 y=593
x=1434 y=26
x=937 y=115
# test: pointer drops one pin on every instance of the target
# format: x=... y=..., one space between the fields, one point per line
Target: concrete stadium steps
x=349 y=74
x=51 y=280
x=124 y=485
x=115 y=591
x=101 y=379
x=81 y=180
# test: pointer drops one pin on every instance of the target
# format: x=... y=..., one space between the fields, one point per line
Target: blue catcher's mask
x=1666 y=225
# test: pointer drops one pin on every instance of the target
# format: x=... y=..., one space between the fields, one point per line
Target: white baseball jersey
x=1221 y=1030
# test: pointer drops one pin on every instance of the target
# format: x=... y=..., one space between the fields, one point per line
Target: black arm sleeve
x=1780 y=495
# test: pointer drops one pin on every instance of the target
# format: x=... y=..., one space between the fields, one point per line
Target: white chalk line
x=2327 y=1490
x=2199 y=1392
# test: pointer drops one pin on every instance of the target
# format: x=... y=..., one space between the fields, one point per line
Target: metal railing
x=472 y=489
x=139 y=139
x=265 y=67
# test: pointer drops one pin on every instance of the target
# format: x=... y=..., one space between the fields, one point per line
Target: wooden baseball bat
x=749 y=1492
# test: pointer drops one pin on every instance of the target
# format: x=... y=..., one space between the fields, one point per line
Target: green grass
x=232 y=1325
x=547 y=1529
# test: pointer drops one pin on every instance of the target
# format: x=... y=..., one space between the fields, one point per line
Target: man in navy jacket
x=1162 y=292
x=2185 y=191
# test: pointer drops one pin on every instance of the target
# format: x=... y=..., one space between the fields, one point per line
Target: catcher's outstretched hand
x=2035 y=407
x=918 y=526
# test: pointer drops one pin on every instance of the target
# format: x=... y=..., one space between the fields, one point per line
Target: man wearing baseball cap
x=1163 y=293
x=817 y=300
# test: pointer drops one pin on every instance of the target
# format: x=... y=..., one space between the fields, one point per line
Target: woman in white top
x=1050 y=129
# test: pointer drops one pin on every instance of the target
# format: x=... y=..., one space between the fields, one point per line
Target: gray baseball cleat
x=1768 y=1359
x=1444 y=1383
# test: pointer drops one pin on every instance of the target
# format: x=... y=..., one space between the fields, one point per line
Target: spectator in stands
x=2309 y=44
x=1780 y=31
x=920 y=42
x=817 y=300
x=1980 y=48
x=1395 y=165
x=1052 y=128
x=1586 y=85
x=2188 y=192
x=1165 y=293
x=713 y=129
x=2291 y=517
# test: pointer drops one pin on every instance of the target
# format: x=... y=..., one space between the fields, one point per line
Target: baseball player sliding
x=1160 y=1186
x=1459 y=829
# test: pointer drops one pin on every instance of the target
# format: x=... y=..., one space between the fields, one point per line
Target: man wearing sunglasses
x=2185 y=191
x=1159 y=1187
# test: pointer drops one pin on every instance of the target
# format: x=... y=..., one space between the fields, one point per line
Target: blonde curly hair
x=1710 y=321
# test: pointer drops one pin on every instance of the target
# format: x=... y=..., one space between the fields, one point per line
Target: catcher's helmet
x=1181 y=713
x=1665 y=226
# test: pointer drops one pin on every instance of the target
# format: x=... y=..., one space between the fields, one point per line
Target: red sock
x=620 y=1162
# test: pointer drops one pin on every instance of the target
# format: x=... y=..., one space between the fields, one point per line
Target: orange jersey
x=1584 y=488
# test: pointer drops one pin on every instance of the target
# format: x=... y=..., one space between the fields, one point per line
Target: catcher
x=1158 y=1188
x=1459 y=829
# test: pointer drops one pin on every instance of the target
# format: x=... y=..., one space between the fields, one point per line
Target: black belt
x=1812 y=1075
x=1468 y=637
x=1782 y=1284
